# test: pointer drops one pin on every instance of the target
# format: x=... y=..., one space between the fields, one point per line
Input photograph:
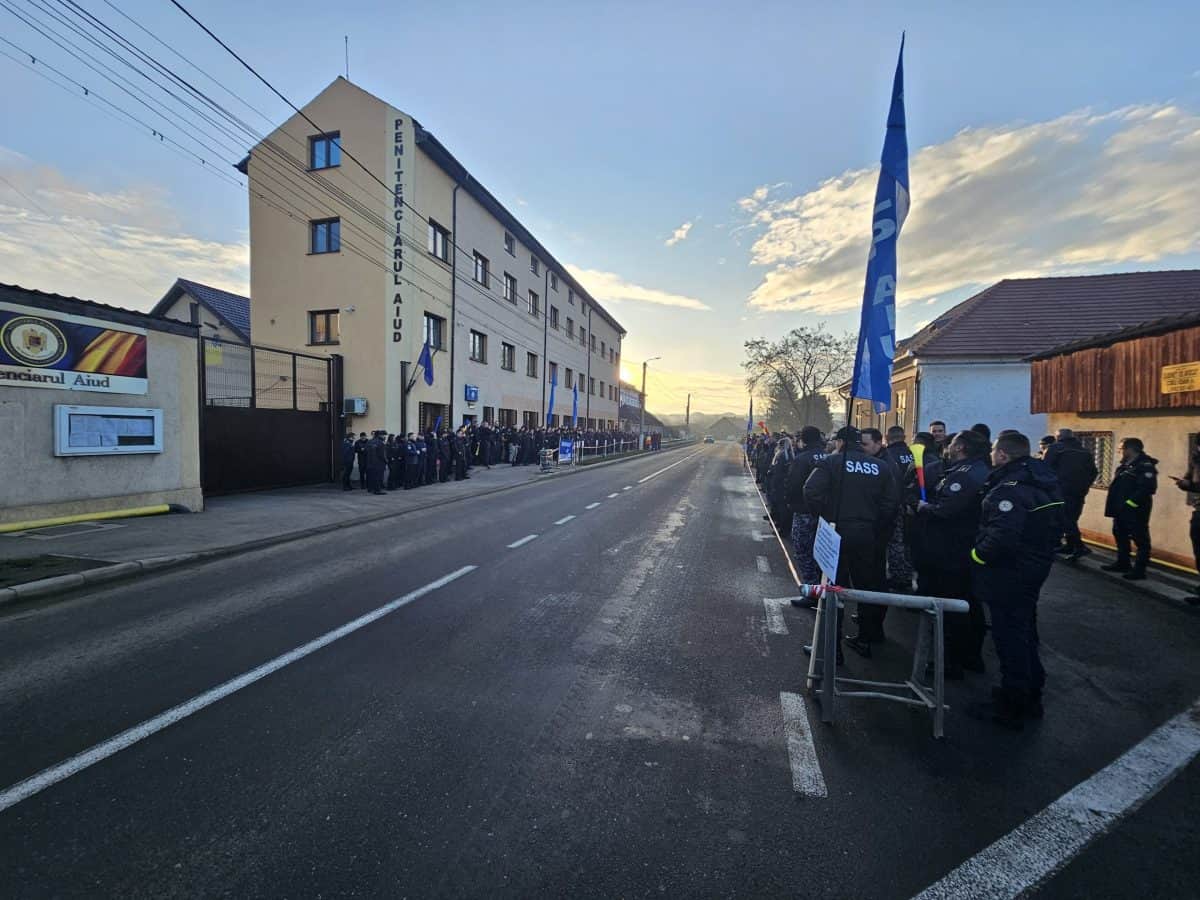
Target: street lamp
x=642 y=429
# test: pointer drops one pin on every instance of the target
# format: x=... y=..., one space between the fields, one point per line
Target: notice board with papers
x=106 y=430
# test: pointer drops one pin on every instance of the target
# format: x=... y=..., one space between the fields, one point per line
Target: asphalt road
x=592 y=711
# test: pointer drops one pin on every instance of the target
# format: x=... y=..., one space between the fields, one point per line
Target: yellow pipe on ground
x=86 y=517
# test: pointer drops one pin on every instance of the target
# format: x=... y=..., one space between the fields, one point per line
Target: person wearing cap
x=360 y=453
x=347 y=460
x=376 y=462
x=861 y=496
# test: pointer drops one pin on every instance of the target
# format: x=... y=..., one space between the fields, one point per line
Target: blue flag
x=437 y=426
x=575 y=406
x=750 y=418
x=553 y=385
x=426 y=362
x=872 y=378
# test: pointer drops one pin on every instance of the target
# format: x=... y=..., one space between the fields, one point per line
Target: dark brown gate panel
x=250 y=449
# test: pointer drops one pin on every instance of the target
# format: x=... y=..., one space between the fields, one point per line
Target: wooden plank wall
x=1126 y=376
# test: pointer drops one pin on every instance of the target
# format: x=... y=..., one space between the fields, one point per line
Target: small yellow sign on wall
x=1180 y=378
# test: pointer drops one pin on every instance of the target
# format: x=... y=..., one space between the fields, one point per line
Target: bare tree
x=805 y=362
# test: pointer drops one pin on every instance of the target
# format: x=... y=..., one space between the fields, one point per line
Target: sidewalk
x=1163 y=583
x=242 y=522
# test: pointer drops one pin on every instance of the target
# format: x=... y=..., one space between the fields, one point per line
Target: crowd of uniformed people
x=388 y=462
x=980 y=520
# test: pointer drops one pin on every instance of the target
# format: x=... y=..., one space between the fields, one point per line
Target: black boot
x=1135 y=574
x=1121 y=565
x=1007 y=710
x=1033 y=705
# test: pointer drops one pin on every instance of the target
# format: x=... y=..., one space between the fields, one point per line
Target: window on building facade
x=552 y=373
x=570 y=327
x=510 y=245
x=534 y=266
x=593 y=342
x=439 y=241
x=535 y=303
x=570 y=296
x=602 y=388
x=507 y=417
x=553 y=281
x=583 y=335
x=435 y=331
x=554 y=317
x=530 y=419
x=603 y=349
x=482 y=274
x=1100 y=445
x=323 y=326
x=325 y=236
x=531 y=366
x=478 y=346
x=508 y=360
x=489 y=414
x=510 y=288
x=592 y=386
x=901 y=406
x=570 y=375
x=325 y=150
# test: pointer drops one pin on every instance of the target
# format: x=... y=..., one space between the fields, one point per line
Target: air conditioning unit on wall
x=354 y=406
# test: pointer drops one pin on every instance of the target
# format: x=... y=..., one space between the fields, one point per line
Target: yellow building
x=369 y=239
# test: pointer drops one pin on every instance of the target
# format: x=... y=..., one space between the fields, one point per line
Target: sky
x=706 y=169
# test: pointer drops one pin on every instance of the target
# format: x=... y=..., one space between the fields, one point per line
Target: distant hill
x=727 y=426
x=700 y=421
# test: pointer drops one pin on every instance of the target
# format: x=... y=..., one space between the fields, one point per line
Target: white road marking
x=592 y=505
x=763 y=565
x=47 y=777
x=628 y=487
x=671 y=466
x=807 y=779
x=564 y=520
x=522 y=542
x=759 y=536
x=613 y=494
x=775 y=621
x=1037 y=848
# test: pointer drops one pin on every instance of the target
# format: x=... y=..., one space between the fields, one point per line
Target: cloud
x=680 y=234
x=125 y=247
x=1073 y=194
x=608 y=287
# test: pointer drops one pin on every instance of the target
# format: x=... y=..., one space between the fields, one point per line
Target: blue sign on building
x=566 y=451
x=471 y=393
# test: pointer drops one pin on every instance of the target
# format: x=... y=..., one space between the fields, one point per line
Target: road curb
x=31 y=590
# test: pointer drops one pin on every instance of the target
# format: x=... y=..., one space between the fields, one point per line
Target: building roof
x=232 y=309
x=1024 y=317
x=13 y=293
x=1165 y=325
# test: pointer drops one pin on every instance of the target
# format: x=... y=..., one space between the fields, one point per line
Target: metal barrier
x=930 y=634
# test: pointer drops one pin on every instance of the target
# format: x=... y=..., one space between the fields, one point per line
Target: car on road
x=708 y=439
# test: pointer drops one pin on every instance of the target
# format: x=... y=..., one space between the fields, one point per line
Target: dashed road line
x=776 y=624
x=807 y=779
x=522 y=542
x=47 y=777
x=628 y=487
x=592 y=505
x=613 y=494
x=1037 y=848
x=763 y=564
x=563 y=521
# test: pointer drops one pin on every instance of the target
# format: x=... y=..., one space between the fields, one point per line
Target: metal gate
x=268 y=417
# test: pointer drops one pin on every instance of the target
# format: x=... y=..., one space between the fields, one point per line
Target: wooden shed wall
x=1124 y=376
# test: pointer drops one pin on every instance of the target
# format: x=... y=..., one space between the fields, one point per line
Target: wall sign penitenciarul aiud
x=42 y=349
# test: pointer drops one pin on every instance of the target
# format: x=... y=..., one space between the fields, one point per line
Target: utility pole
x=642 y=431
x=687 y=417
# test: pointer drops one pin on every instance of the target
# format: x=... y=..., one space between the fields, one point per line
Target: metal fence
x=1100 y=445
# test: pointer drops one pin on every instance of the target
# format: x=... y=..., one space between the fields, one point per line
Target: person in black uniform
x=431 y=458
x=943 y=533
x=395 y=461
x=804 y=522
x=360 y=453
x=1076 y=471
x=422 y=461
x=347 y=460
x=459 y=449
x=1130 y=500
x=443 y=457
x=860 y=495
x=1191 y=483
x=1019 y=525
x=376 y=463
x=412 y=459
